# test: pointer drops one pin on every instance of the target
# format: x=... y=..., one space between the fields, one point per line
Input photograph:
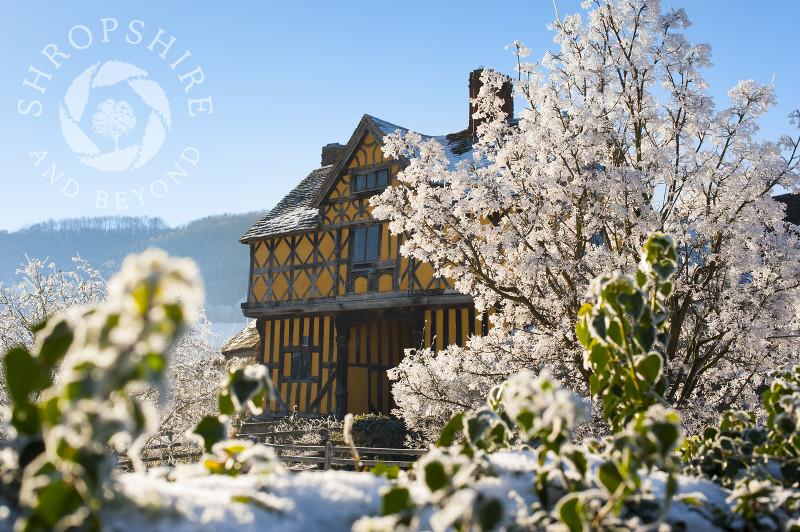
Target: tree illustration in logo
x=114 y=120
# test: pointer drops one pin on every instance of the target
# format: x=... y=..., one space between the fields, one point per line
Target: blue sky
x=283 y=79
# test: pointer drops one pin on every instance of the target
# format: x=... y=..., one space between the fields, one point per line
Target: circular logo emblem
x=131 y=133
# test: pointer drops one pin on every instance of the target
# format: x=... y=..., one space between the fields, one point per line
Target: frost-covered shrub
x=57 y=471
x=194 y=372
x=631 y=479
x=371 y=430
x=761 y=464
x=59 y=461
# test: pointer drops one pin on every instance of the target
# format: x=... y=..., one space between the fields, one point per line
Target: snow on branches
x=618 y=137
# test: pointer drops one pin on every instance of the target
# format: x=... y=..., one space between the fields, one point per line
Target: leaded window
x=371 y=181
x=301 y=367
x=366 y=243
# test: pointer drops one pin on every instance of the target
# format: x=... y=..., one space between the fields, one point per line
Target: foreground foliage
x=60 y=461
x=511 y=464
x=608 y=483
x=81 y=390
x=193 y=374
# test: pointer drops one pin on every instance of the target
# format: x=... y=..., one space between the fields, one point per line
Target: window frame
x=301 y=360
x=365 y=174
x=367 y=257
x=301 y=353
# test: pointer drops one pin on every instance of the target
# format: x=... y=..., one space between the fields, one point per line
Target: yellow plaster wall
x=300 y=394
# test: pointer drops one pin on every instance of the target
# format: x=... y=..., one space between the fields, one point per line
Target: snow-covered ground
x=298 y=502
x=332 y=501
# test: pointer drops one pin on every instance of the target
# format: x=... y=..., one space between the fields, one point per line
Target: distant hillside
x=212 y=242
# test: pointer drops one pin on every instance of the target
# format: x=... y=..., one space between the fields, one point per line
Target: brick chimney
x=331 y=152
x=475 y=87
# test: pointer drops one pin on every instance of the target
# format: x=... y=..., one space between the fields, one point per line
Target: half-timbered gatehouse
x=335 y=304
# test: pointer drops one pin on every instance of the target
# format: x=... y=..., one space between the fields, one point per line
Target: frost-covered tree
x=42 y=291
x=618 y=137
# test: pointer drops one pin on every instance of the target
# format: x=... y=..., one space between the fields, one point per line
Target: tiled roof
x=246 y=340
x=292 y=213
x=386 y=127
x=295 y=212
x=457 y=146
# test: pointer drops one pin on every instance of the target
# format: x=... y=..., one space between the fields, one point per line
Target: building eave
x=351 y=303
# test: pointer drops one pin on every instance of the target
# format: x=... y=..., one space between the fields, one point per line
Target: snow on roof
x=292 y=213
x=458 y=146
x=246 y=340
x=386 y=127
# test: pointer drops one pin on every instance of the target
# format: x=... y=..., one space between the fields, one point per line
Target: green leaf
x=666 y=289
x=174 y=312
x=435 y=477
x=599 y=326
x=594 y=384
x=525 y=420
x=667 y=434
x=672 y=487
x=582 y=332
x=615 y=332
x=261 y=502
x=212 y=430
x=633 y=303
x=394 y=501
x=141 y=295
x=610 y=476
x=226 y=407
x=448 y=434
x=382 y=470
x=494 y=397
x=664 y=270
x=490 y=514
x=650 y=367
x=477 y=426
x=645 y=336
x=24 y=375
x=570 y=509
x=710 y=433
x=155 y=362
x=51 y=411
x=56 y=343
x=392 y=472
x=498 y=434
x=579 y=460
x=25 y=418
x=244 y=390
x=57 y=500
x=641 y=278
x=598 y=356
